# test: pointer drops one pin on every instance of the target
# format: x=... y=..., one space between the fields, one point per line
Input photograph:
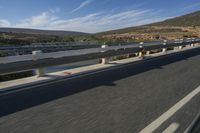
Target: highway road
x=158 y=94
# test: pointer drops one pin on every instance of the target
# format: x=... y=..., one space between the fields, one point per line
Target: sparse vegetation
x=180 y=27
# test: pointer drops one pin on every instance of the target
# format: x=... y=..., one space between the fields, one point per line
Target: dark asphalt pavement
x=122 y=100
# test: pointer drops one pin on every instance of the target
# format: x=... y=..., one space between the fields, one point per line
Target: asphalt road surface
x=124 y=99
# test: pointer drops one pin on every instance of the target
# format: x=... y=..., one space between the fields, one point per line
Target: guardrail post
x=188 y=46
x=148 y=52
x=197 y=44
x=164 y=49
x=39 y=71
x=142 y=52
x=180 y=47
x=104 y=60
x=176 y=48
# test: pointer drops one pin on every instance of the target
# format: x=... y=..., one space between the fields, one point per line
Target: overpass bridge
x=159 y=93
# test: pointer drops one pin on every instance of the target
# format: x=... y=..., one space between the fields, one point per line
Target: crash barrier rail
x=38 y=60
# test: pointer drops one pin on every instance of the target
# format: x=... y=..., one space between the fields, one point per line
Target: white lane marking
x=172 y=128
x=169 y=113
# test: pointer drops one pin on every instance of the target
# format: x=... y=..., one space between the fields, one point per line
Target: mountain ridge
x=181 y=20
x=42 y=32
x=179 y=27
x=187 y=25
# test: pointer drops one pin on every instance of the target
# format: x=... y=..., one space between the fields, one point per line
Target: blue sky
x=90 y=15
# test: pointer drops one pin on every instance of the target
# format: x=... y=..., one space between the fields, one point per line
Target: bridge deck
x=125 y=99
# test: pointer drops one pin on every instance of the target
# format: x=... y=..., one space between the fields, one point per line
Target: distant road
x=122 y=100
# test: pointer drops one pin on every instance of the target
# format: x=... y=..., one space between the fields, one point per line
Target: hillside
x=192 y=19
x=184 y=26
x=42 y=32
x=180 y=27
x=29 y=36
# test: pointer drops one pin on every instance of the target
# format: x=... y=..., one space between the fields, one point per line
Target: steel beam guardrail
x=20 y=63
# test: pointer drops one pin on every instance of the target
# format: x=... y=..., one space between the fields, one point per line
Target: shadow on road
x=15 y=102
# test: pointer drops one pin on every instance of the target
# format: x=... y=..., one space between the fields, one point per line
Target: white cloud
x=4 y=23
x=38 y=21
x=190 y=7
x=91 y=23
x=56 y=10
x=82 y=5
x=98 y=22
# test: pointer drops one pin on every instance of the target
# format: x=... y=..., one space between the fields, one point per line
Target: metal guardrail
x=20 y=63
x=13 y=50
x=19 y=50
